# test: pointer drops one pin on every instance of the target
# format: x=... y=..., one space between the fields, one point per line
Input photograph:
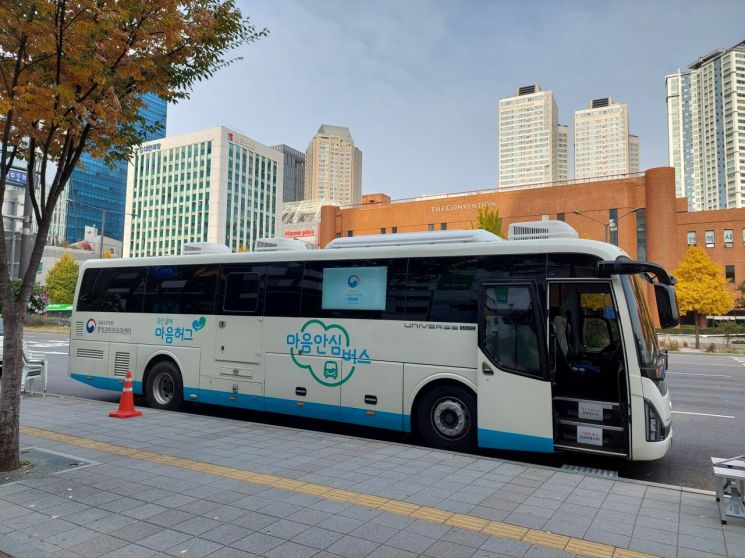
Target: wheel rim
x=451 y=418
x=163 y=388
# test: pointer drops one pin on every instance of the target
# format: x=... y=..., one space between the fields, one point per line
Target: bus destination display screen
x=361 y=288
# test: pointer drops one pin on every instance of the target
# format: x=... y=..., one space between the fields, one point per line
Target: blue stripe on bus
x=113 y=384
x=512 y=441
x=323 y=411
x=241 y=401
x=381 y=419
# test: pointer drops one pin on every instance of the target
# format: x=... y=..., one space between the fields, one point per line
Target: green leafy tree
x=701 y=287
x=74 y=76
x=39 y=300
x=489 y=220
x=728 y=328
x=61 y=280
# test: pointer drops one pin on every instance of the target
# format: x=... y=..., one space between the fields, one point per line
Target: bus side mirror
x=667 y=305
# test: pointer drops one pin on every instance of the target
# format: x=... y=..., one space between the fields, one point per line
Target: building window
x=560 y=217
x=443 y=226
x=709 y=239
x=613 y=226
x=729 y=238
x=349 y=233
x=729 y=273
x=394 y=230
x=431 y=227
x=382 y=230
x=641 y=234
x=691 y=238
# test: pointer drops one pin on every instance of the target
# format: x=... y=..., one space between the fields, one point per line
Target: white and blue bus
x=542 y=342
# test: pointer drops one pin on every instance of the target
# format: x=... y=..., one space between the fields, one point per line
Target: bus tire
x=446 y=418
x=164 y=388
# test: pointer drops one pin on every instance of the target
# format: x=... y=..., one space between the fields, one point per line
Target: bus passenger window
x=510 y=329
x=241 y=292
x=183 y=289
x=115 y=289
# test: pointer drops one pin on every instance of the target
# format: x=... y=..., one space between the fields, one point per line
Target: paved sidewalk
x=174 y=484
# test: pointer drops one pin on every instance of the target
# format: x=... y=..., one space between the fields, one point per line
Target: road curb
x=679 y=488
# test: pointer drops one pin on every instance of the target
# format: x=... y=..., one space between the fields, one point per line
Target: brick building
x=651 y=223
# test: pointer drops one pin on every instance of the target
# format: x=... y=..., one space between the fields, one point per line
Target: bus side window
x=114 y=289
x=241 y=292
x=241 y=289
x=510 y=329
x=183 y=289
x=442 y=289
x=282 y=297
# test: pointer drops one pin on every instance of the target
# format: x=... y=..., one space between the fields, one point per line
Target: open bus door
x=514 y=391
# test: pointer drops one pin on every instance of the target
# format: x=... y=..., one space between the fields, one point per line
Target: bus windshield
x=645 y=338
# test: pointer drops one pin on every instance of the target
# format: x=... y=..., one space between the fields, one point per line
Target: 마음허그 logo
x=169 y=330
x=353 y=281
x=90 y=325
x=331 y=343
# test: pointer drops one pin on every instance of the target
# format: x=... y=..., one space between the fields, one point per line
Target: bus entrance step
x=591 y=436
x=585 y=410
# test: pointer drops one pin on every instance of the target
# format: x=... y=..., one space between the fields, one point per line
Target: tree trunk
x=10 y=399
x=695 y=321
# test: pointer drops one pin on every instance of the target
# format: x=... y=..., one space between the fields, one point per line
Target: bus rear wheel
x=446 y=418
x=164 y=388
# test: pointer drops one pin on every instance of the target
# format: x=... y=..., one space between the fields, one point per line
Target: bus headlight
x=656 y=430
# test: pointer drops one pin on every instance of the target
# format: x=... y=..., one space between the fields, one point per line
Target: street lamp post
x=611 y=225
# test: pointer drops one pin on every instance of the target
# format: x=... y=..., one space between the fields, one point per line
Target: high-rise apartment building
x=293 y=183
x=706 y=129
x=602 y=144
x=533 y=146
x=95 y=188
x=214 y=185
x=333 y=167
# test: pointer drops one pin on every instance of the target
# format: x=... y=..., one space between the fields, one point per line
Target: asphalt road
x=708 y=394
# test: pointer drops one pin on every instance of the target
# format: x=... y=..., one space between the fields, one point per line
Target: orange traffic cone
x=127 y=402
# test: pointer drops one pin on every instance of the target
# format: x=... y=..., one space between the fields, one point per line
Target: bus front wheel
x=446 y=418
x=164 y=389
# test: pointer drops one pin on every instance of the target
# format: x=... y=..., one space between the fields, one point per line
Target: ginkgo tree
x=62 y=279
x=73 y=74
x=701 y=287
x=489 y=220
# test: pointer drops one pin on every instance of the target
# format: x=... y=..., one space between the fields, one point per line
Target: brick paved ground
x=173 y=484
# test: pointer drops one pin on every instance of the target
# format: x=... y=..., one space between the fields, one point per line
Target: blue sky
x=417 y=81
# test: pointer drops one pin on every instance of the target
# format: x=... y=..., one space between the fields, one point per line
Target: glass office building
x=214 y=185
x=95 y=188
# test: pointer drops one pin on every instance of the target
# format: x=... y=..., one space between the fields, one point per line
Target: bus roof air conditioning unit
x=280 y=245
x=539 y=230
x=198 y=248
x=413 y=239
